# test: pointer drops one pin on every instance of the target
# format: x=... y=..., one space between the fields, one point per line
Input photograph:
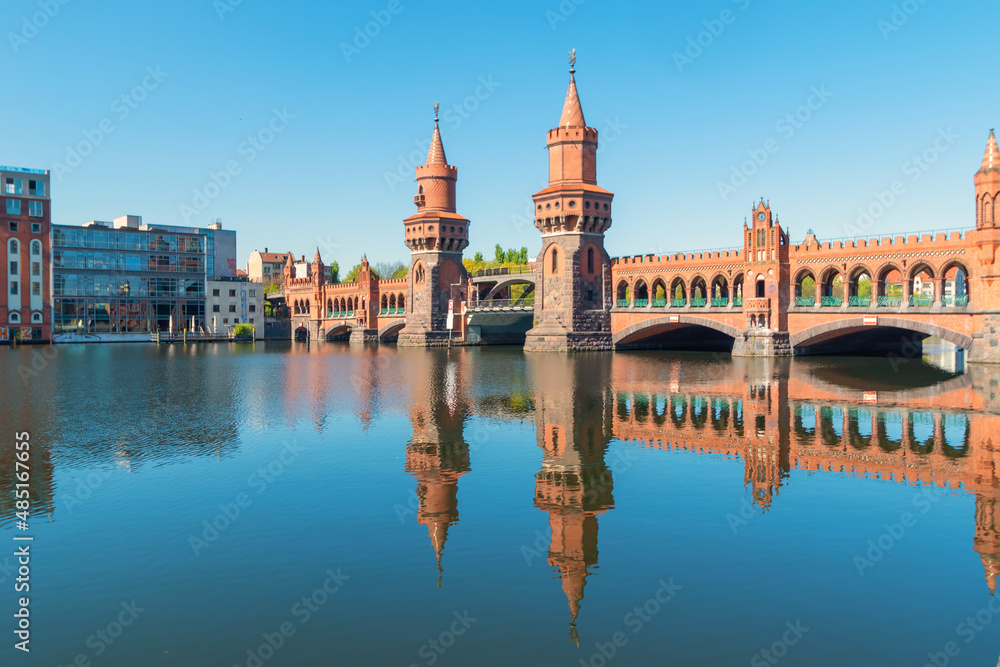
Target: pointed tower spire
x=572 y=115
x=991 y=158
x=317 y=259
x=435 y=155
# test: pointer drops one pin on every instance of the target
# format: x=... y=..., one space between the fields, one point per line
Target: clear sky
x=887 y=81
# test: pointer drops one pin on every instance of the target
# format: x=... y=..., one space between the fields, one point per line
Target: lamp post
x=126 y=290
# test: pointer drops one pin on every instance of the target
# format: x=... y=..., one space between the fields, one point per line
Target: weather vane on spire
x=572 y=60
x=437 y=107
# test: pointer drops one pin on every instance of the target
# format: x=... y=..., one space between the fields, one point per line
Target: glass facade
x=127 y=280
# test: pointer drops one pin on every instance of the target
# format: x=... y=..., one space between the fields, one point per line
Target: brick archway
x=657 y=325
x=390 y=330
x=856 y=324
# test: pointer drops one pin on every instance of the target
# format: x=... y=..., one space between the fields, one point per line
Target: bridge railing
x=504 y=271
x=499 y=304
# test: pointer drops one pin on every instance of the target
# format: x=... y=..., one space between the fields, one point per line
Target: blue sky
x=886 y=81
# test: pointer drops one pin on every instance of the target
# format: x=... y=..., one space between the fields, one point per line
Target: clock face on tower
x=760 y=216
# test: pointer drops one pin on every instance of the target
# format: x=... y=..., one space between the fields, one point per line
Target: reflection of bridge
x=777 y=416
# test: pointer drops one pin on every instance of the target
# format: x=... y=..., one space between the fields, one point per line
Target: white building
x=232 y=302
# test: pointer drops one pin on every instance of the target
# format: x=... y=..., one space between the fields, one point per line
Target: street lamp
x=126 y=290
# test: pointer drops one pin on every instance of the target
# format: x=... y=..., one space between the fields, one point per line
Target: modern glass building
x=126 y=277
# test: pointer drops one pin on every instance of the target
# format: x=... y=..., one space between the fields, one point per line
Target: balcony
x=921 y=301
x=720 y=303
x=699 y=303
x=831 y=301
x=889 y=301
x=759 y=304
x=678 y=303
x=659 y=303
x=859 y=301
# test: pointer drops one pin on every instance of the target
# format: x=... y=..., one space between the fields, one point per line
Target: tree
x=523 y=255
x=499 y=254
x=352 y=275
x=335 y=273
x=478 y=258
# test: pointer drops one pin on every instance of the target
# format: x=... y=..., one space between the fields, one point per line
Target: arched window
x=15 y=318
x=590 y=260
x=36 y=247
x=555 y=260
x=13 y=246
x=760 y=288
x=36 y=318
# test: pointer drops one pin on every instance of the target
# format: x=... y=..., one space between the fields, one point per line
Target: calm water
x=374 y=506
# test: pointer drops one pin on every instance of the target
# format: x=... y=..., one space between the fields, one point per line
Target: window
x=13 y=246
x=36 y=268
x=215 y=292
x=36 y=228
x=36 y=317
x=225 y=320
x=590 y=295
x=12 y=225
x=15 y=318
x=35 y=209
x=232 y=292
x=36 y=289
x=253 y=308
x=36 y=188
x=251 y=320
x=590 y=261
x=215 y=308
x=13 y=287
x=555 y=260
x=13 y=207
x=13 y=268
x=232 y=308
x=36 y=248
x=14 y=186
x=253 y=292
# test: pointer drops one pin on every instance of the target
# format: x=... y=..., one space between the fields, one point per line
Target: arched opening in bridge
x=678 y=293
x=921 y=286
x=805 y=288
x=308 y=308
x=301 y=334
x=956 y=286
x=401 y=304
x=860 y=287
x=701 y=334
x=898 y=338
x=329 y=307
x=738 y=290
x=760 y=291
x=641 y=294
x=623 y=295
x=832 y=288
x=720 y=291
x=659 y=293
x=890 y=286
x=384 y=305
x=699 y=292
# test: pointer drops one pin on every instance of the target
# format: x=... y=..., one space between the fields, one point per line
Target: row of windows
x=36 y=268
x=14 y=288
x=35 y=208
x=232 y=292
x=101 y=285
x=15 y=186
x=124 y=315
x=14 y=248
x=15 y=318
x=119 y=239
x=232 y=308
x=118 y=261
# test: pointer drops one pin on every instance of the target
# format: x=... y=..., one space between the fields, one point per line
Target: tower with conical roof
x=573 y=271
x=988 y=187
x=436 y=236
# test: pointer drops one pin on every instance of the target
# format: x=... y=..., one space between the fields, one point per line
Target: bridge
x=767 y=295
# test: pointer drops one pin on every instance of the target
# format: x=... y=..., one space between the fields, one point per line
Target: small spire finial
x=572 y=61
x=437 y=108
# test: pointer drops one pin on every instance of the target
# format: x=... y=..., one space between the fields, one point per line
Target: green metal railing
x=832 y=301
x=699 y=303
x=720 y=303
x=678 y=303
x=860 y=301
x=641 y=303
x=623 y=303
x=738 y=302
x=921 y=301
x=805 y=301
x=659 y=303
x=383 y=311
x=960 y=300
x=889 y=301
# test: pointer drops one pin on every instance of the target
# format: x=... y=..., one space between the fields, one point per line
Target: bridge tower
x=573 y=271
x=986 y=345
x=765 y=281
x=436 y=236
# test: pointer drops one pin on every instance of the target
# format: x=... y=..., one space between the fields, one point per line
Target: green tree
x=335 y=273
x=478 y=258
x=499 y=254
x=522 y=257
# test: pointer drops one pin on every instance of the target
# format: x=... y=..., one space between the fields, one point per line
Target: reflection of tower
x=767 y=415
x=987 y=542
x=573 y=427
x=437 y=455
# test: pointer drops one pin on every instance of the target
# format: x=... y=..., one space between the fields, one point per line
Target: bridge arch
x=337 y=330
x=655 y=326
x=853 y=325
x=390 y=331
x=508 y=280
